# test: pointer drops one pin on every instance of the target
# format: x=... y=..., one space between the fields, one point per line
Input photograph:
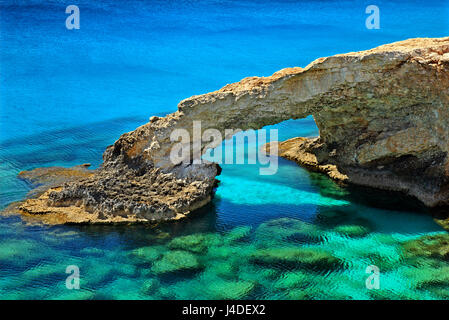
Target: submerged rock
x=197 y=243
x=385 y=262
x=150 y=286
x=41 y=273
x=286 y=230
x=230 y=289
x=382 y=115
x=293 y=280
x=352 y=231
x=433 y=246
x=176 y=261
x=44 y=178
x=21 y=252
x=75 y=295
x=223 y=269
x=229 y=251
x=311 y=293
x=425 y=278
x=237 y=234
x=146 y=255
x=295 y=257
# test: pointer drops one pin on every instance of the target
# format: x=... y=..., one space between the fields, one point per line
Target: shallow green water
x=66 y=95
x=309 y=239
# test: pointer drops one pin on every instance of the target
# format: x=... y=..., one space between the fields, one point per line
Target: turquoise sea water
x=67 y=94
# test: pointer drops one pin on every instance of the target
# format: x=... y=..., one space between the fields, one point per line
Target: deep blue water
x=67 y=94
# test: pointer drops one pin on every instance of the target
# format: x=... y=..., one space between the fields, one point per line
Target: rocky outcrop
x=112 y=195
x=382 y=116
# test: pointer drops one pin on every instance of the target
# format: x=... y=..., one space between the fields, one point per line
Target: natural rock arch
x=382 y=115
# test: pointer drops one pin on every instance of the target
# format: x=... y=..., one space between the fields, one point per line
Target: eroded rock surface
x=382 y=116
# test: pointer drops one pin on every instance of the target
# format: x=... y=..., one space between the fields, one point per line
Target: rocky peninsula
x=382 y=115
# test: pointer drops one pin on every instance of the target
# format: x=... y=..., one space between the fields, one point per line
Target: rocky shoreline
x=81 y=196
x=382 y=116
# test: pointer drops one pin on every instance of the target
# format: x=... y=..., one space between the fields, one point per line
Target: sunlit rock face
x=384 y=120
x=382 y=116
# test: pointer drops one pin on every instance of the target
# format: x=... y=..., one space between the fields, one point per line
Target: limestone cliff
x=382 y=115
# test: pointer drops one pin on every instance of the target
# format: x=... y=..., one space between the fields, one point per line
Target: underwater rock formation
x=382 y=115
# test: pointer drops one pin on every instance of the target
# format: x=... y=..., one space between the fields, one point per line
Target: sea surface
x=65 y=95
